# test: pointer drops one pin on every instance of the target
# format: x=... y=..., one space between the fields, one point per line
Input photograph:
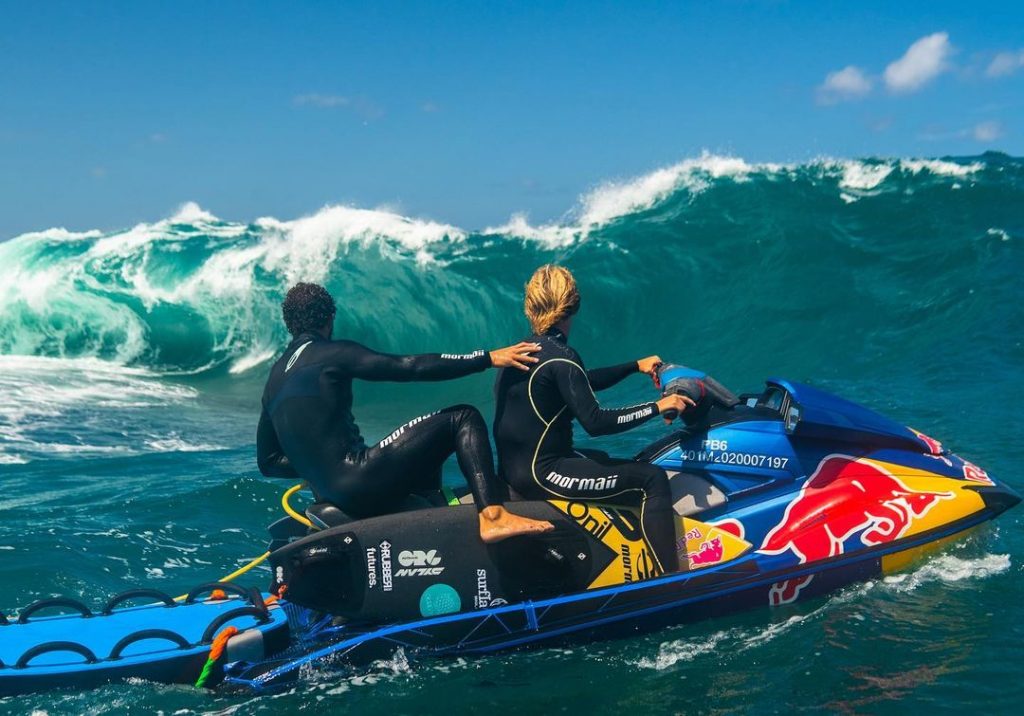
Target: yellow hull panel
x=701 y=545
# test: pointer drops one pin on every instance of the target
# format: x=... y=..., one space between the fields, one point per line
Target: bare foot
x=497 y=523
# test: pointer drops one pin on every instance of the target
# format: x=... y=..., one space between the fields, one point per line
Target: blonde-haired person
x=535 y=410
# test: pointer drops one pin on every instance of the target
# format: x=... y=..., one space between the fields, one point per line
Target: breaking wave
x=711 y=250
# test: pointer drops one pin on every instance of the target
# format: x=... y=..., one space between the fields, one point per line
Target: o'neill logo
x=843 y=497
x=417 y=563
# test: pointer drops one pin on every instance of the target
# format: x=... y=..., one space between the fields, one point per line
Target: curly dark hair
x=307 y=308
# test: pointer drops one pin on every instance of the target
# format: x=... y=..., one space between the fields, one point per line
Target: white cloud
x=362 y=106
x=430 y=107
x=321 y=100
x=849 y=83
x=987 y=131
x=1005 y=63
x=923 y=61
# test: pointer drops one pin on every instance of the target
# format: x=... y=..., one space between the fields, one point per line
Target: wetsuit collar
x=307 y=337
x=556 y=334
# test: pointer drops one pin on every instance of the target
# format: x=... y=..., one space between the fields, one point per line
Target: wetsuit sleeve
x=361 y=362
x=579 y=397
x=601 y=378
x=269 y=456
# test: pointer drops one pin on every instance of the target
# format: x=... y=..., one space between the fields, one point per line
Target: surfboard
x=430 y=562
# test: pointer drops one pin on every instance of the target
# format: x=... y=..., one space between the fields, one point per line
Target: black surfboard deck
x=431 y=561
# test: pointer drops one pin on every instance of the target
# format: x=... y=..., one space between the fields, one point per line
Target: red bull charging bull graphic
x=844 y=497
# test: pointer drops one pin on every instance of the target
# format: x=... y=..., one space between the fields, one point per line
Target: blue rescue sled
x=165 y=640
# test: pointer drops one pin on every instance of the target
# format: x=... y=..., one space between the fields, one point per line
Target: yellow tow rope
x=291 y=512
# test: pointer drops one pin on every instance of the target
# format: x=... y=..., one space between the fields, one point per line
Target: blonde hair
x=551 y=296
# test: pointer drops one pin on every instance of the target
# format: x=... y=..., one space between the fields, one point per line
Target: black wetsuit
x=533 y=432
x=307 y=430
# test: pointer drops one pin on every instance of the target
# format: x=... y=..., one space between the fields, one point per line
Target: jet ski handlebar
x=704 y=390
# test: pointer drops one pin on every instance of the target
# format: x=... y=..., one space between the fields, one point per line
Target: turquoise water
x=131 y=364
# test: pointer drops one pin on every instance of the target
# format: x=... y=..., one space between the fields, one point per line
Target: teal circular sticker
x=438 y=599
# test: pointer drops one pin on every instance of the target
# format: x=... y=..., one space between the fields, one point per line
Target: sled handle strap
x=144 y=634
x=56 y=602
x=52 y=646
x=261 y=615
x=226 y=587
x=119 y=599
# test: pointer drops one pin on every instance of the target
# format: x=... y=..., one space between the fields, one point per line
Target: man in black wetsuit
x=307 y=430
x=535 y=410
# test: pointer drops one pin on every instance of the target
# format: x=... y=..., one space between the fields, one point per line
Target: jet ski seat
x=325 y=515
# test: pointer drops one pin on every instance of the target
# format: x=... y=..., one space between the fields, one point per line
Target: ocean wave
x=193 y=293
x=51 y=407
x=614 y=200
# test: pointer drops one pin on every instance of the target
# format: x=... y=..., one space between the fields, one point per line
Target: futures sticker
x=371 y=567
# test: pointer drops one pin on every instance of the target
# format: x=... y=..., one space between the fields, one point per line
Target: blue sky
x=113 y=113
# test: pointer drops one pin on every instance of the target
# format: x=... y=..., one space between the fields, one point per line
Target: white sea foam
x=998 y=233
x=683 y=650
x=862 y=175
x=940 y=167
x=614 y=199
x=773 y=630
x=305 y=248
x=191 y=213
x=251 y=359
x=60 y=234
x=176 y=444
x=949 y=568
x=42 y=402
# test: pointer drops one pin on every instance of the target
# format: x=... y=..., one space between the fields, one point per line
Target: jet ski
x=780 y=495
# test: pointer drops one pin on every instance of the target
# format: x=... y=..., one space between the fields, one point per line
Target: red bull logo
x=975 y=474
x=934 y=447
x=710 y=552
x=843 y=497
